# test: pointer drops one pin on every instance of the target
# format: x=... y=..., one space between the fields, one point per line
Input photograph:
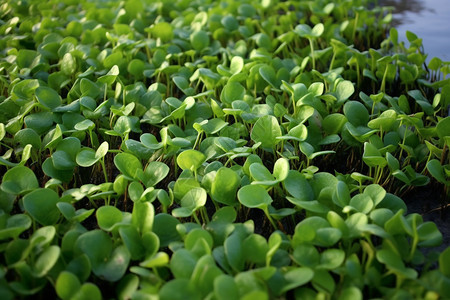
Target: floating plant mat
x=220 y=150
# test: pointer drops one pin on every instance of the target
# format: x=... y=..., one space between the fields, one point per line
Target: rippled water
x=428 y=19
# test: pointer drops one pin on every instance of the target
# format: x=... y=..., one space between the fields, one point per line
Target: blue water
x=428 y=19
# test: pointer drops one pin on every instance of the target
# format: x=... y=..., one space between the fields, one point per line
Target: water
x=428 y=19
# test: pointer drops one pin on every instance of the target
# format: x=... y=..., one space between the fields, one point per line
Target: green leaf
x=135 y=191
x=14 y=226
x=179 y=289
x=225 y=288
x=232 y=91
x=342 y=194
x=376 y=193
x=163 y=31
x=108 y=217
x=395 y=263
x=352 y=293
x=48 y=97
x=265 y=131
x=88 y=290
x=199 y=40
x=255 y=248
x=154 y=173
x=68 y=64
x=22 y=92
x=444 y=262
x=190 y=159
x=281 y=169
x=80 y=266
x=111 y=76
x=254 y=196
x=46 y=260
x=305 y=30
x=87 y=157
x=443 y=127
x=225 y=185
x=344 y=90
x=372 y=156
x=261 y=174
x=143 y=216
x=128 y=165
x=437 y=171
x=233 y=251
x=96 y=244
x=19 y=180
x=268 y=74
x=297 y=277
x=429 y=235
x=306 y=255
x=182 y=263
x=67 y=285
x=331 y=259
x=422 y=101
x=297 y=185
x=191 y=201
x=41 y=205
x=132 y=240
x=356 y=113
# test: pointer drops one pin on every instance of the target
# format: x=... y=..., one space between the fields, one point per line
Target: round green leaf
x=19 y=180
x=41 y=205
x=48 y=97
x=190 y=159
x=297 y=277
x=88 y=291
x=162 y=30
x=154 y=173
x=199 y=40
x=297 y=185
x=108 y=216
x=86 y=157
x=191 y=201
x=14 y=226
x=254 y=196
x=356 y=113
x=331 y=258
x=232 y=91
x=179 y=289
x=67 y=285
x=265 y=131
x=225 y=185
x=128 y=165
x=443 y=127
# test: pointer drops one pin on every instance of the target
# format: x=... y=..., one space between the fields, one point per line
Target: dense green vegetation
x=221 y=150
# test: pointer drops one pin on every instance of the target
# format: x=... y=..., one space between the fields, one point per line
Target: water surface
x=428 y=19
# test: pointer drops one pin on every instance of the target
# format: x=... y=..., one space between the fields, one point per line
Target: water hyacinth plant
x=219 y=150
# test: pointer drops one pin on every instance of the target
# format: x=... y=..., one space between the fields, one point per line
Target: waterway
x=428 y=19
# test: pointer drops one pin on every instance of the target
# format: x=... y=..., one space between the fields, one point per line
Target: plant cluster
x=217 y=149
